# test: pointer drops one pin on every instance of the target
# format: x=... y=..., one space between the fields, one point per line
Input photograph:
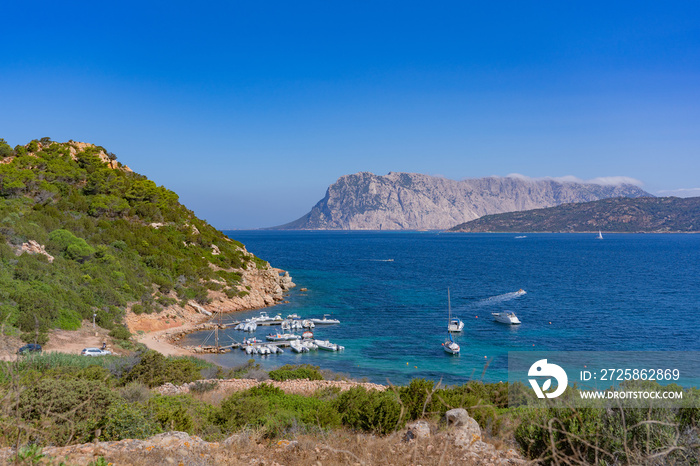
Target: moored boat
x=506 y=317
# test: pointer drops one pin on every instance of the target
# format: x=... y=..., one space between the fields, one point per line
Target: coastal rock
x=405 y=201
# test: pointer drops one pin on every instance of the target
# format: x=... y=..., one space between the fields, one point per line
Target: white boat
x=456 y=325
x=600 y=234
x=520 y=292
x=306 y=323
x=309 y=344
x=328 y=346
x=450 y=346
x=506 y=317
x=282 y=337
x=325 y=320
x=307 y=335
x=297 y=347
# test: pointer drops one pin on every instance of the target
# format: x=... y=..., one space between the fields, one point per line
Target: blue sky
x=249 y=110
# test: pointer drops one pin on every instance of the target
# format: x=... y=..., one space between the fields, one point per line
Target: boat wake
x=501 y=298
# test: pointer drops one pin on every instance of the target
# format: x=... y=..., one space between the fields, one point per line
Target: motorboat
x=307 y=335
x=306 y=323
x=282 y=337
x=309 y=344
x=520 y=292
x=328 y=346
x=506 y=317
x=324 y=321
x=297 y=347
x=456 y=325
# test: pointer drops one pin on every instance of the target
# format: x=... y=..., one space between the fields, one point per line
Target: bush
x=276 y=412
x=61 y=411
x=153 y=369
x=120 y=332
x=370 y=410
x=182 y=413
x=126 y=421
x=68 y=320
x=290 y=372
x=414 y=396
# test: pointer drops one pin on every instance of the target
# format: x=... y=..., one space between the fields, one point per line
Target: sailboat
x=450 y=346
x=600 y=234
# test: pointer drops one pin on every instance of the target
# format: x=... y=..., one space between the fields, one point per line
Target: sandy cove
x=259 y=288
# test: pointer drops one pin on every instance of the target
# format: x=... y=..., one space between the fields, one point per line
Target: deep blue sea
x=389 y=290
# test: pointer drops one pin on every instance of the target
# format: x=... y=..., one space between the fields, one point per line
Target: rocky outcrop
x=400 y=201
x=32 y=247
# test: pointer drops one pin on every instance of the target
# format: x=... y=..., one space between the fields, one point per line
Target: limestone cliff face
x=406 y=201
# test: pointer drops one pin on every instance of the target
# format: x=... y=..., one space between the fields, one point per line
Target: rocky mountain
x=649 y=215
x=407 y=201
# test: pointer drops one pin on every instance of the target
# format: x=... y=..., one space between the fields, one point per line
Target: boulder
x=418 y=430
x=465 y=430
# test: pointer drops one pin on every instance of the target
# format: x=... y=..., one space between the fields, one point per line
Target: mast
x=449 y=310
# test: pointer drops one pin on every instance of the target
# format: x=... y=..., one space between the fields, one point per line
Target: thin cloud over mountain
x=602 y=180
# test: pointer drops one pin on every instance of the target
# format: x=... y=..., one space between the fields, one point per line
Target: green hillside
x=116 y=239
x=623 y=215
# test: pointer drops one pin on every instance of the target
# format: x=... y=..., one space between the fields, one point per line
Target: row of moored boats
x=298 y=343
x=291 y=322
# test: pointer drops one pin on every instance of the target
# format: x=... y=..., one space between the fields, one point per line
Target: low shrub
x=291 y=372
x=276 y=412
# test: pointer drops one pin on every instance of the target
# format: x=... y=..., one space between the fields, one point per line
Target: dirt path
x=158 y=341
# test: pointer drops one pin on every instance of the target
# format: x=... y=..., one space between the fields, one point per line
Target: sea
x=626 y=292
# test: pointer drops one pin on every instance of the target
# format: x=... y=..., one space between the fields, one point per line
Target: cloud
x=615 y=181
x=681 y=192
x=603 y=180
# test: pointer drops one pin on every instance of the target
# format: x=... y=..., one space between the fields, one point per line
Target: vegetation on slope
x=623 y=215
x=116 y=239
x=59 y=399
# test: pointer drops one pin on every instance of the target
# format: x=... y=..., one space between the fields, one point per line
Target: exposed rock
x=419 y=429
x=199 y=308
x=398 y=201
x=32 y=247
x=465 y=430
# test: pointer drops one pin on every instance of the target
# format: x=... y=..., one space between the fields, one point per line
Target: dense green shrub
x=61 y=411
x=302 y=371
x=414 y=397
x=129 y=420
x=276 y=412
x=370 y=410
x=154 y=369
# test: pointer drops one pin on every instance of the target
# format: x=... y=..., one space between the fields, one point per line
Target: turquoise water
x=389 y=290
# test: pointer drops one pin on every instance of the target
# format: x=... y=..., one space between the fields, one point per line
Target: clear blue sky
x=249 y=110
